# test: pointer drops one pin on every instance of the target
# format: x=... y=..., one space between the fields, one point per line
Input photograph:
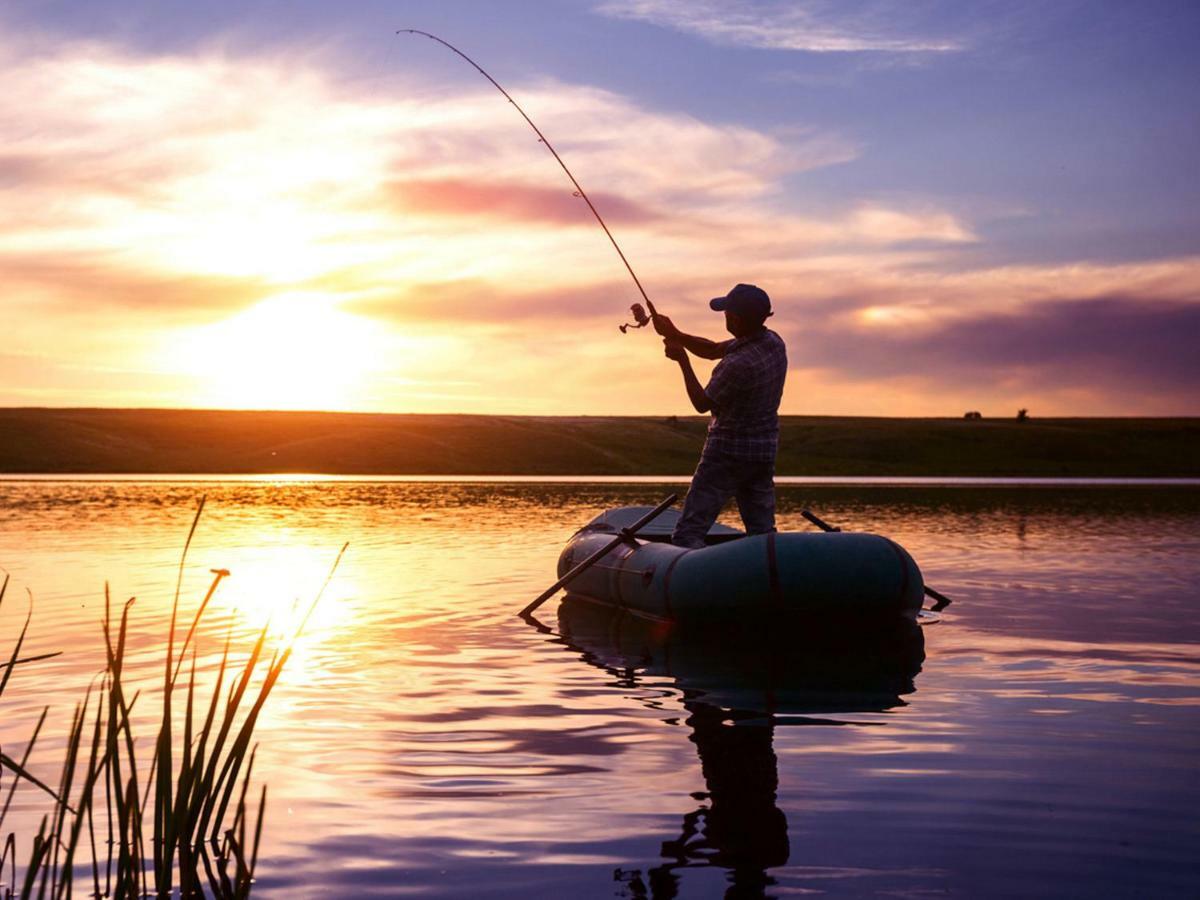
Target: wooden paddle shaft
x=625 y=534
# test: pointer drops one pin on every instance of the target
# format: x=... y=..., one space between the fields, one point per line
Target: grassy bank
x=212 y=441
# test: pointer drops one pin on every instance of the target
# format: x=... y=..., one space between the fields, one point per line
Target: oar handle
x=942 y=601
x=624 y=535
x=824 y=526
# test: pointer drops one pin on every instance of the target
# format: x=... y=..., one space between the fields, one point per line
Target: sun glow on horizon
x=291 y=351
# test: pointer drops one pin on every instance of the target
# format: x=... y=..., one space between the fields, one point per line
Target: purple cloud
x=1122 y=342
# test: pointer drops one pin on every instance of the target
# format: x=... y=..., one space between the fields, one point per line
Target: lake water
x=1041 y=739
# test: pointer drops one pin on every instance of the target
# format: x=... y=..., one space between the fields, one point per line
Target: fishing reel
x=639 y=316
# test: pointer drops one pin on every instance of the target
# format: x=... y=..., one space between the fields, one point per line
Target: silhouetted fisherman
x=743 y=395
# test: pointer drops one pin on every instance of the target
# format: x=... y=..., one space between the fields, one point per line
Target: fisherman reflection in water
x=743 y=395
x=741 y=828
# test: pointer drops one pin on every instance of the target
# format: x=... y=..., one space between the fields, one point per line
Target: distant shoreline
x=48 y=441
x=782 y=481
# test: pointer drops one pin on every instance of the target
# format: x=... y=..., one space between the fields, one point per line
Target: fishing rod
x=639 y=314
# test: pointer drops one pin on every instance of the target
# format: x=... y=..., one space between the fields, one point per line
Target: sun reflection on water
x=275 y=587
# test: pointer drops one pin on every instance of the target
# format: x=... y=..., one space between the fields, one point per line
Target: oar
x=942 y=600
x=623 y=535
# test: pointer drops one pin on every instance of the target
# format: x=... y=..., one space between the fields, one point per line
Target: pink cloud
x=513 y=201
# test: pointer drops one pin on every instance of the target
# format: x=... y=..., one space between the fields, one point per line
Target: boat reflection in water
x=738 y=687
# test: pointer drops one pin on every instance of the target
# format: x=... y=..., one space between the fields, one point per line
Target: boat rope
x=579 y=191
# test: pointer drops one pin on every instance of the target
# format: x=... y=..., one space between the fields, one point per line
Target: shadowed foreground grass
x=121 y=826
x=147 y=441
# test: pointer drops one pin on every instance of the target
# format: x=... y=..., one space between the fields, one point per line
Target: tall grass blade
x=16 y=653
x=36 y=860
x=24 y=762
x=10 y=853
x=11 y=764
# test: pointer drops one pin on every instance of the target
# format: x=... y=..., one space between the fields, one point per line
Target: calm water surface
x=425 y=742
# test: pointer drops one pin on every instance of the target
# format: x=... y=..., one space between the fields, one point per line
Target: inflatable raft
x=737 y=576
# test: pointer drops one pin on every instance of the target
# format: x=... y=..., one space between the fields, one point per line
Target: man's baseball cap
x=745 y=300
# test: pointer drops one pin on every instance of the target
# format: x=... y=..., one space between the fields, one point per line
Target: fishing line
x=579 y=191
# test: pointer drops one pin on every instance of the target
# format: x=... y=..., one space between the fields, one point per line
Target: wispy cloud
x=263 y=168
x=81 y=283
x=814 y=27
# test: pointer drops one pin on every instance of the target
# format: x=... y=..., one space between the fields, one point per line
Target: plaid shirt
x=745 y=390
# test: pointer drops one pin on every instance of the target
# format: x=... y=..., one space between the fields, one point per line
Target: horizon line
x=602 y=415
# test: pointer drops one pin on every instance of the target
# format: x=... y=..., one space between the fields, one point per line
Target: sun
x=293 y=350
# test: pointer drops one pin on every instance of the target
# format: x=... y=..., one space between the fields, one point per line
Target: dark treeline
x=214 y=441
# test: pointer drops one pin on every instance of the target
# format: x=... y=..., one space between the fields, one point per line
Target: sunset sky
x=954 y=205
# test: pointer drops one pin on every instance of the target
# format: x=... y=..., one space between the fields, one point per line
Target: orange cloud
x=67 y=284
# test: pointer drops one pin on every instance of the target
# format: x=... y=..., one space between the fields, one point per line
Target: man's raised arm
x=702 y=347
